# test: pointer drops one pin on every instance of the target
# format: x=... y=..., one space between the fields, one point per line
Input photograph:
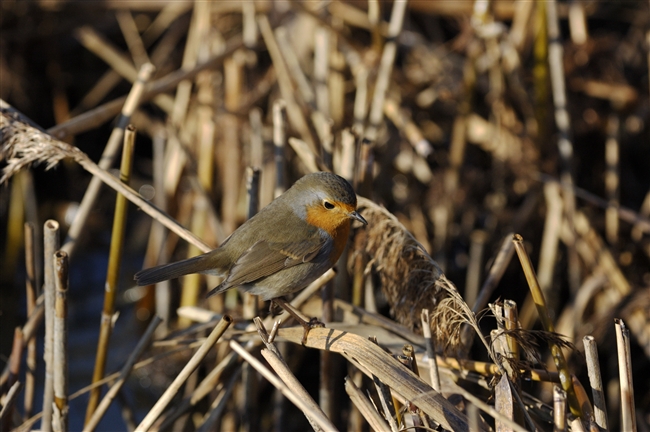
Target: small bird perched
x=283 y=248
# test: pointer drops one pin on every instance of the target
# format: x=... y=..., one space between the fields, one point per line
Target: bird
x=281 y=249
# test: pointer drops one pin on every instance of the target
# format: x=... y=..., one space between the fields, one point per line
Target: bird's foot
x=308 y=325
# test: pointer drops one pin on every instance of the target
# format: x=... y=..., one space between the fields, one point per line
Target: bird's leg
x=306 y=325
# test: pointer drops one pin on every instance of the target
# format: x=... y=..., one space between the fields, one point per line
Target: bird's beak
x=357 y=216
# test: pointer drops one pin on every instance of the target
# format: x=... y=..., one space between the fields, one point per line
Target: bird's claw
x=308 y=325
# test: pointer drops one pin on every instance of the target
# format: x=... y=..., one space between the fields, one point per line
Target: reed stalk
x=113 y=271
x=30 y=290
x=628 y=412
x=559 y=409
x=593 y=368
x=60 y=344
x=547 y=324
x=51 y=245
x=188 y=369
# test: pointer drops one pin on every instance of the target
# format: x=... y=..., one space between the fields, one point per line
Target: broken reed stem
x=30 y=291
x=593 y=368
x=51 y=245
x=364 y=406
x=143 y=343
x=311 y=413
x=277 y=363
x=547 y=324
x=113 y=272
x=180 y=379
x=559 y=409
x=434 y=375
x=511 y=324
x=628 y=412
x=108 y=156
x=60 y=348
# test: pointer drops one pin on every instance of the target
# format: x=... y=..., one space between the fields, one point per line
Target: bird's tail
x=197 y=264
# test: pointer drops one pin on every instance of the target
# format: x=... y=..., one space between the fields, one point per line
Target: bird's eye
x=328 y=205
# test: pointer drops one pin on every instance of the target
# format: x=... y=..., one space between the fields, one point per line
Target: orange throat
x=335 y=223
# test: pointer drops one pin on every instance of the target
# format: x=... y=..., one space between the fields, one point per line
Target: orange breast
x=336 y=224
x=340 y=240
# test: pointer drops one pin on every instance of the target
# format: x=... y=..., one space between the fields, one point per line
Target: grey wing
x=266 y=258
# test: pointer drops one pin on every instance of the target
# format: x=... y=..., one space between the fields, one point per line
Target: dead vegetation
x=471 y=131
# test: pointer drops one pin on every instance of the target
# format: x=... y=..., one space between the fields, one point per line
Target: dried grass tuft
x=23 y=145
x=410 y=279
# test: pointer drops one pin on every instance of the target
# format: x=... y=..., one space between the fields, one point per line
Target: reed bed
x=471 y=131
